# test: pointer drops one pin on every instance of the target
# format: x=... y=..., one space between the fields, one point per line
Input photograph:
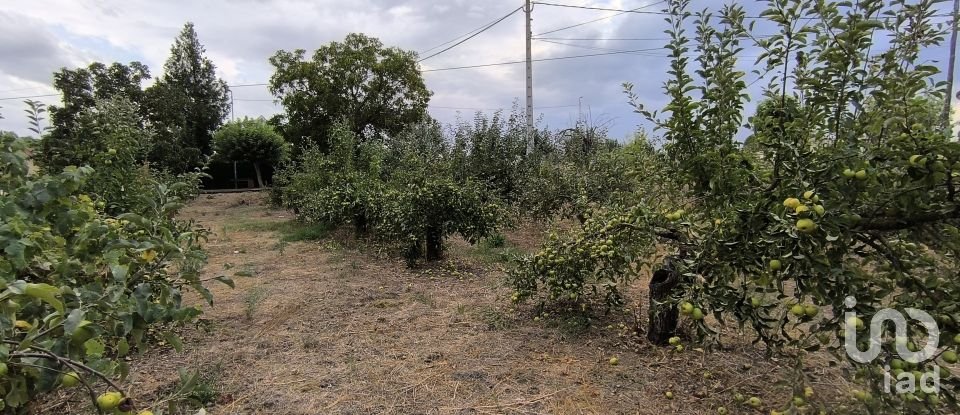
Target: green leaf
x=94 y=347
x=15 y=254
x=119 y=272
x=174 y=340
x=226 y=280
x=123 y=347
x=45 y=292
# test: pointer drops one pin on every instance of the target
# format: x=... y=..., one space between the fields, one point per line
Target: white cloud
x=240 y=36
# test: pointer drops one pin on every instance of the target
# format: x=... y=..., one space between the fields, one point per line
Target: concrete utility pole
x=528 y=8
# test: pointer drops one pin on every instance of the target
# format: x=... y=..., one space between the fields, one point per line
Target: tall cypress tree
x=188 y=103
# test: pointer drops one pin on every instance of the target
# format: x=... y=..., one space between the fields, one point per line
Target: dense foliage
x=187 y=104
x=403 y=190
x=183 y=108
x=251 y=141
x=374 y=89
x=848 y=190
x=82 y=89
x=83 y=288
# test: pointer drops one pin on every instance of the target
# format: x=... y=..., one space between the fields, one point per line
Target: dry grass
x=321 y=328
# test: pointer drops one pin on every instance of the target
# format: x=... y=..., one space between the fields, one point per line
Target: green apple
x=69 y=379
x=806 y=226
x=697 y=314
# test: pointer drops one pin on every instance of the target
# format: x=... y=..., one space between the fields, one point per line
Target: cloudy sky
x=37 y=37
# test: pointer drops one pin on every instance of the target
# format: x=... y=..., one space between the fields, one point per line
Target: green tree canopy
x=81 y=89
x=187 y=104
x=250 y=141
x=373 y=88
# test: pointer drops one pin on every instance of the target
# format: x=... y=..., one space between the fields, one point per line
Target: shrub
x=83 y=288
x=250 y=141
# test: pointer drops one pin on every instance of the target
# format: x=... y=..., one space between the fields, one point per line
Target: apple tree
x=81 y=289
x=423 y=202
x=849 y=191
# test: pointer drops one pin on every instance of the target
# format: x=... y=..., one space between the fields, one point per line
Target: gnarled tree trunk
x=434 y=243
x=360 y=223
x=663 y=317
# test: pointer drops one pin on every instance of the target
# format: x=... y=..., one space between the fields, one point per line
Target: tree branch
x=889 y=223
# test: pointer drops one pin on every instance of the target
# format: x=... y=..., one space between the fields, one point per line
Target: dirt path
x=322 y=328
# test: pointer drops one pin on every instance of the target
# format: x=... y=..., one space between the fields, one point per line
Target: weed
x=420 y=297
x=197 y=389
x=254 y=297
x=279 y=246
x=289 y=230
x=495 y=319
x=495 y=250
x=496 y=241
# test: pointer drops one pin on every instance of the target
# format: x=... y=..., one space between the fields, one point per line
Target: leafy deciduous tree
x=251 y=141
x=373 y=88
x=81 y=88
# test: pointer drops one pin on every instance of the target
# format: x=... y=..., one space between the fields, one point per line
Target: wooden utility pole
x=528 y=9
x=945 y=115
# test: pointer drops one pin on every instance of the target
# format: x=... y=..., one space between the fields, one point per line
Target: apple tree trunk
x=663 y=316
x=434 y=243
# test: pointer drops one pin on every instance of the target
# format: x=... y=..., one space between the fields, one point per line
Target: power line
x=662 y=13
x=618 y=50
x=246 y=85
x=455 y=39
x=539 y=60
x=637 y=10
x=22 y=89
x=600 y=48
x=628 y=39
x=605 y=38
x=29 y=96
x=497 y=109
x=56 y=95
x=487 y=27
x=597 y=20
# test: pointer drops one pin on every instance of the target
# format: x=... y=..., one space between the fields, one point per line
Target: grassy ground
x=326 y=325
